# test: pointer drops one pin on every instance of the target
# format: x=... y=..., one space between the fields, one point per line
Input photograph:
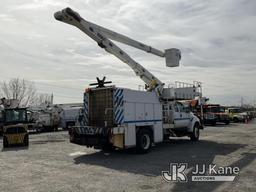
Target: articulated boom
x=101 y=35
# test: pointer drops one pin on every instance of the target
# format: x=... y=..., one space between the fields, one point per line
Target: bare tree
x=43 y=98
x=23 y=91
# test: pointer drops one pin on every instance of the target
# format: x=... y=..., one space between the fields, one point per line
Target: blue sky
x=217 y=40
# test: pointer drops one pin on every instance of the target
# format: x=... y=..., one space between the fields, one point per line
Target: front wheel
x=196 y=133
x=143 y=141
x=26 y=141
x=235 y=119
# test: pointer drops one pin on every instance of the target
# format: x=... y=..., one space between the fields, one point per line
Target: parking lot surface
x=51 y=163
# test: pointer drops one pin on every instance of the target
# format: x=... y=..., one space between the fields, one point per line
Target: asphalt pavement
x=53 y=164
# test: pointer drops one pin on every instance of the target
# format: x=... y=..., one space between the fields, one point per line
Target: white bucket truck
x=124 y=118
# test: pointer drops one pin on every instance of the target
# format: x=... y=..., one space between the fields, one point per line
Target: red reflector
x=87 y=90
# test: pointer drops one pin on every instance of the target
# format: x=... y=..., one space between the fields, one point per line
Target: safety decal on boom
x=118 y=106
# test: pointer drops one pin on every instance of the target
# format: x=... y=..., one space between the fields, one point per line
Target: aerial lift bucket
x=172 y=57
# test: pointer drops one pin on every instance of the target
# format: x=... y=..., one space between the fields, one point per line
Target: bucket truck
x=121 y=117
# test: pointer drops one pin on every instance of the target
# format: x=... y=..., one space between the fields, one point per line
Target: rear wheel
x=236 y=120
x=196 y=133
x=5 y=142
x=143 y=141
x=26 y=141
x=108 y=147
x=68 y=125
x=39 y=129
x=227 y=122
x=50 y=128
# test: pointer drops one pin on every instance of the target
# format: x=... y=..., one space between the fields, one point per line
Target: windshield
x=222 y=110
x=15 y=115
x=15 y=130
x=180 y=107
x=212 y=109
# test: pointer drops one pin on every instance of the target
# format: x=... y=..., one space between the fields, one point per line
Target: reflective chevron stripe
x=88 y=130
x=118 y=106
x=85 y=119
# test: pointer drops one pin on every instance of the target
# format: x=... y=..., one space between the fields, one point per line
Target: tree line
x=24 y=92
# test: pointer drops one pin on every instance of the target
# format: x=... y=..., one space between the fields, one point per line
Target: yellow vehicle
x=236 y=115
x=15 y=130
x=1 y=123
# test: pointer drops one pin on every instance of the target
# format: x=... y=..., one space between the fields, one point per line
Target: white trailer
x=124 y=118
x=69 y=116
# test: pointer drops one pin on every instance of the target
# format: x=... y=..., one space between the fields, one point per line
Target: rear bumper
x=89 y=141
x=15 y=141
x=89 y=136
x=209 y=121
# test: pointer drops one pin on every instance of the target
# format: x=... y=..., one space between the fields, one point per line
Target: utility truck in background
x=214 y=113
x=45 y=118
x=237 y=115
x=114 y=117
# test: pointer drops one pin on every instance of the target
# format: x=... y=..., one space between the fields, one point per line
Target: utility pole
x=242 y=101
x=52 y=99
x=254 y=103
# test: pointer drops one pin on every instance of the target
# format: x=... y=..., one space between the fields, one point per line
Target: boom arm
x=101 y=35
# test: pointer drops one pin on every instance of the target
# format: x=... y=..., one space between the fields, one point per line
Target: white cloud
x=217 y=39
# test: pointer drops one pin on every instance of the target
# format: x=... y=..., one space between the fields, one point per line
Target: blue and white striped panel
x=118 y=106
x=86 y=108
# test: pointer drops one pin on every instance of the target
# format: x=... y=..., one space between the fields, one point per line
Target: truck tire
x=68 y=125
x=39 y=129
x=5 y=142
x=26 y=141
x=227 y=122
x=50 y=128
x=108 y=147
x=196 y=133
x=235 y=119
x=213 y=123
x=143 y=141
